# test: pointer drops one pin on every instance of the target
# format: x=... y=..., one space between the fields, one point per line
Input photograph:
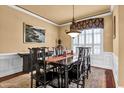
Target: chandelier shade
x=73 y=34
x=73 y=28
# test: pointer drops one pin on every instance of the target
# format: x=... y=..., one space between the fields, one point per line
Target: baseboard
x=11 y=76
x=100 y=67
x=120 y=87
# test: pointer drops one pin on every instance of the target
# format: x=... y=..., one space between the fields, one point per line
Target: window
x=90 y=38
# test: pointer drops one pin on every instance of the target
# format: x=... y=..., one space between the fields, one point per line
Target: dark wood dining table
x=65 y=61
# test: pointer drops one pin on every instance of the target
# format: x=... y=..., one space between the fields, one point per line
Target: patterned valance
x=90 y=23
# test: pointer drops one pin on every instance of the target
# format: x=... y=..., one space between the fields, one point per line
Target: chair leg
x=63 y=81
x=89 y=68
x=83 y=81
x=87 y=73
x=31 y=82
x=77 y=84
x=59 y=81
x=37 y=84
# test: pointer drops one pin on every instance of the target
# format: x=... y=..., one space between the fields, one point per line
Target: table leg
x=66 y=76
x=59 y=81
x=31 y=82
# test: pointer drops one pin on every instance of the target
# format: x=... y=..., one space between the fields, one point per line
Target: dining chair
x=75 y=75
x=81 y=71
x=39 y=71
x=76 y=71
x=86 y=60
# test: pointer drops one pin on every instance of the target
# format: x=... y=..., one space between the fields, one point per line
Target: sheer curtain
x=90 y=38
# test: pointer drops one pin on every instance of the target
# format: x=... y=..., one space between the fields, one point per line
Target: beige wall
x=11 y=23
x=108 y=41
x=11 y=31
x=66 y=40
x=116 y=40
x=121 y=46
x=107 y=38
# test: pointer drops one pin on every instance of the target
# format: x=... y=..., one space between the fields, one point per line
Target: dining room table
x=65 y=61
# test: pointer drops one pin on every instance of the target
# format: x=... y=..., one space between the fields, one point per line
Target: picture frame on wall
x=114 y=27
x=33 y=34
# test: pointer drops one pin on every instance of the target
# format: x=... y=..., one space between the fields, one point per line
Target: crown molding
x=89 y=17
x=48 y=21
x=112 y=7
x=32 y=14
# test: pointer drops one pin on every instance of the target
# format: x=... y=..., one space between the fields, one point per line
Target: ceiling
x=61 y=14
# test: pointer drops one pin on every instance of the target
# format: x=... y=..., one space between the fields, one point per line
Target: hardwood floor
x=99 y=78
x=110 y=82
x=11 y=76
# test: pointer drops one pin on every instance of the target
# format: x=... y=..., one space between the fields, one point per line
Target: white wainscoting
x=115 y=69
x=10 y=63
x=106 y=60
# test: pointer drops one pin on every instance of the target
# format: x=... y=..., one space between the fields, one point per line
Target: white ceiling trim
x=48 y=21
x=112 y=8
x=96 y=16
x=32 y=14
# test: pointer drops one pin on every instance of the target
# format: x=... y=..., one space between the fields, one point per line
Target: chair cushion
x=49 y=76
x=72 y=74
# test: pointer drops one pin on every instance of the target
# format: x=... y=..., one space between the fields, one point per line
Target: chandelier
x=73 y=28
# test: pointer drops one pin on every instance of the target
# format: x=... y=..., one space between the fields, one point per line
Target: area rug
x=97 y=79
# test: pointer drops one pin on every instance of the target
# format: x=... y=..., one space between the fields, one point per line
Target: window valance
x=90 y=23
